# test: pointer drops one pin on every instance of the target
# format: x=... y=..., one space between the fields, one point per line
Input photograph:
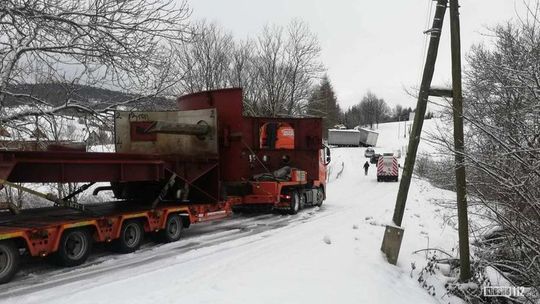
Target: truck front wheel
x=319 y=197
x=294 y=206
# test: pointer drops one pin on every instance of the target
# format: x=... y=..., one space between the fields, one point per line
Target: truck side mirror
x=327 y=150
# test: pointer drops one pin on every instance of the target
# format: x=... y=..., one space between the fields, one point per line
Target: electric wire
x=429 y=14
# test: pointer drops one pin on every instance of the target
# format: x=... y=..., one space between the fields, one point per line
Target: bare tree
x=502 y=117
x=244 y=74
x=353 y=117
x=381 y=111
x=271 y=71
x=287 y=66
x=118 y=44
x=241 y=63
x=372 y=109
x=276 y=71
x=302 y=51
x=206 y=60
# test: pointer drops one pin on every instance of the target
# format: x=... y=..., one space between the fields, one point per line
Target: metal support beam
x=48 y=196
x=164 y=191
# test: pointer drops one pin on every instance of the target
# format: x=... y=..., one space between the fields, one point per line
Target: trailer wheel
x=131 y=237
x=319 y=198
x=294 y=206
x=173 y=229
x=74 y=248
x=9 y=261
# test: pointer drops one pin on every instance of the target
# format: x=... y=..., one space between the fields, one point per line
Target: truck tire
x=131 y=237
x=303 y=200
x=74 y=247
x=173 y=229
x=319 y=197
x=9 y=260
x=294 y=206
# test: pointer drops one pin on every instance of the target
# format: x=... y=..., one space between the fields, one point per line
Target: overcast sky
x=366 y=45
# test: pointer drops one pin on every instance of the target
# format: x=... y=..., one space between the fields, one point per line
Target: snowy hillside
x=329 y=254
x=395 y=135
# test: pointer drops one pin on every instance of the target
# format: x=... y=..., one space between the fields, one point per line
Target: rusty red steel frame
x=75 y=167
x=240 y=136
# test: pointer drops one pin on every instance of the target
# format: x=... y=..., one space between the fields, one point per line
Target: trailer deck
x=45 y=216
x=39 y=229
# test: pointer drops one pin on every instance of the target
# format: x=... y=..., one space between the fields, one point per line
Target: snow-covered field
x=395 y=135
x=321 y=255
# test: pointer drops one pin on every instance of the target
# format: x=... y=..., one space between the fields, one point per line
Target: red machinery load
x=245 y=154
x=170 y=169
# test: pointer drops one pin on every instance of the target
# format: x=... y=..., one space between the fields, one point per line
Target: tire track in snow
x=35 y=267
x=227 y=231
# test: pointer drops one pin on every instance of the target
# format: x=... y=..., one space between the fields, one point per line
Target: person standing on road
x=366 y=167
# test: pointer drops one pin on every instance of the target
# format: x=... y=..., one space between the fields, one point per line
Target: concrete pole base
x=393 y=235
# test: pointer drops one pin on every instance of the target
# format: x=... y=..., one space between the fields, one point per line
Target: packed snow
x=329 y=254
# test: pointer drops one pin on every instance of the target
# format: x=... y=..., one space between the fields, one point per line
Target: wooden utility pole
x=393 y=235
x=421 y=105
x=457 y=104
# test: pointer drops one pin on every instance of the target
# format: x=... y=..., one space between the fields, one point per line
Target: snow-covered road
x=321 y=255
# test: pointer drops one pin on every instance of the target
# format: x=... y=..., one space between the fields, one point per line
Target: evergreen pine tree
x=323 y=103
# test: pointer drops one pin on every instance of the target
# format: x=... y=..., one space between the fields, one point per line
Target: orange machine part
x=284 y=138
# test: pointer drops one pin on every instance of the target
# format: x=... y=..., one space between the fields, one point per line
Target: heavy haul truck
x=170 y=169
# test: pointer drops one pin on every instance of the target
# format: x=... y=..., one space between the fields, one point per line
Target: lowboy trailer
x=170 y=169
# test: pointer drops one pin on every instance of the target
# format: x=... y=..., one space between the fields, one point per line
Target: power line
x=429 y=14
